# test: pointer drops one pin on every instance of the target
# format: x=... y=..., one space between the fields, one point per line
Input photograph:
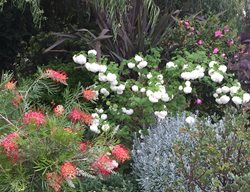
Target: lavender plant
x=154 y=157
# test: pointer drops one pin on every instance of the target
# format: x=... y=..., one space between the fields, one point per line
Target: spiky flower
x=78 y=115
x=68 y=170
x=54 y=180
x=57 y=76
x=104 y=165
x=83 y=146
x=33 y=117
x=11 y=85
x=121 y=153
x=58 y=110
x=10 y=147
x=89 y=94
x=18 y=98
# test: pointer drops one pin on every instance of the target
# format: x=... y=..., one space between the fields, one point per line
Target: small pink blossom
x=198 y=101
x=223 y=55
x=216 y=50
x=230 y=42
x=218 y=34
x=226 y=29
x=200 y=42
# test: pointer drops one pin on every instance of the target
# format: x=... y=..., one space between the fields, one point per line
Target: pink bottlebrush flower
x=57 y=76
x=200 y=42
x=121 y=153
x=75 y=115
x=36 y=118
x=11 y=85
x=218 y=34
x=104 y=165
x=18 y=98
x=89 y=94
x=78 y=115
x=54 y=180
x=58 y=110
x=226 y=29
x=83 y=146
x=230 y=42
x=68 y=170
x=216 y=50
x=10 y=147
x=198 y=101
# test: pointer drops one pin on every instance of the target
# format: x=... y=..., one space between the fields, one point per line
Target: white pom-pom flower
x=170 y=64
x=135 y=88
x=223 y=68
x=142 y=64
x=161 y=114
x=187 y=90
x=80 y=59
x=138 y=58
x=237 y=100
x=217 y=77
x=111 y=77
x=131 y=65
x=104 y=116
x=246 y=97
x=224 y=99
x=190 y=120
x=93 y=52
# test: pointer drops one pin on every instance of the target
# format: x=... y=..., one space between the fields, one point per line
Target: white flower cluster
x=171 y=65
x=140 y=63
x=223 y=94
x=99 y=120
x=127 y=111
x=187 y=89
x=161 y=114
x=197 y=73
x=92 y=67
x=216 y=71
x=161 y=94
x=190 y=120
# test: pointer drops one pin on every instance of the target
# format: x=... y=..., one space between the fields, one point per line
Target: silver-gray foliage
x=154 y=158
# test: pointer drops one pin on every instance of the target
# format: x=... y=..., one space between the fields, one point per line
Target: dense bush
x=194 y=154
x=154 y=159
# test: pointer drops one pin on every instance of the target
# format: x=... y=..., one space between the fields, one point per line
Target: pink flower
x=54 y=180
x=200 y=42
x=230 y=42
x=198 y=101
x=10 y=147
x=216 y=50
x=121 y=153
x=36 y=118
x=226 y=29
x=58 y=76
x=218 y=34
x=104 y=165
x=68 y=170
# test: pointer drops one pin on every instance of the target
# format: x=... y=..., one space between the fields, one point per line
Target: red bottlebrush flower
x=104 y=165
x=54 y=180
x=121 y=153
x=68 y=170
x=36 y=118
x=10 y=147
x=57 y=76
x=17 y=99
x=11 y=85
x=87 y=118
x=89 y=94
x=78 y=115
x=83 y=146
x=58 y=110
x=75 y=115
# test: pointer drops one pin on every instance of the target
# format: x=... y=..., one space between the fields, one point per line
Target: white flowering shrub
x=142 y=87
x=154 y=160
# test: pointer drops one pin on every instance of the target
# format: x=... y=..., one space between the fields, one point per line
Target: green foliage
x=34 y=6
x=221 y=156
